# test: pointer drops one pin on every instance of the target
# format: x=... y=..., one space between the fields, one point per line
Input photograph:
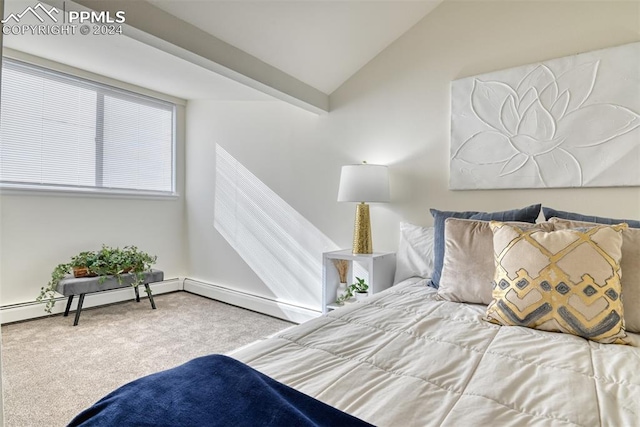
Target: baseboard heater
x=271 y=307
x=32 y=309
x=287 y=311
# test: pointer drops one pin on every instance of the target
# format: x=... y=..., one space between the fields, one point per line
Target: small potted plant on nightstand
x=360 y=290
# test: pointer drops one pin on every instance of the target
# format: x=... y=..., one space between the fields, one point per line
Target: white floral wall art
x=567 y=122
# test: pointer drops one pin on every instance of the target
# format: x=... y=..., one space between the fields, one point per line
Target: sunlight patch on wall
x=281 y=246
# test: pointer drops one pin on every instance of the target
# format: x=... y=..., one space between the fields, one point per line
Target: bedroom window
x=61 y=132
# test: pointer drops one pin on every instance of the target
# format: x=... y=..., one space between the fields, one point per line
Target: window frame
x=101 y=85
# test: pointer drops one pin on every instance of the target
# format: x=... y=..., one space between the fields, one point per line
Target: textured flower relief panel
x=567 y=122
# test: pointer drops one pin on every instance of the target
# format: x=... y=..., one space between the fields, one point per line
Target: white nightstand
x=377 y=269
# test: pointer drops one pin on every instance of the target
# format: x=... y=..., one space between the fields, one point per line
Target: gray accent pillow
x=528 y=214
x=552 y=213
x=469 y=266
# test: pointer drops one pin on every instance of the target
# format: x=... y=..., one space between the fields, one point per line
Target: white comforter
x=402 y=358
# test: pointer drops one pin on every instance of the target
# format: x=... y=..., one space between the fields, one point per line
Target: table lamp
x=363 y=183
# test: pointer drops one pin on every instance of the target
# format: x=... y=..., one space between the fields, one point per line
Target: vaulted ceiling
x=317 y=43
x=321 y=43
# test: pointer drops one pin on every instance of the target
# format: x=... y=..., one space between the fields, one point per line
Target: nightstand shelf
x=377 y=269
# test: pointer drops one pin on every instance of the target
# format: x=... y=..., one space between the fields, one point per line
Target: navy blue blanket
x=211 y=391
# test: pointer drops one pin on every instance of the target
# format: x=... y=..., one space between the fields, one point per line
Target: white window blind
x=61 y=131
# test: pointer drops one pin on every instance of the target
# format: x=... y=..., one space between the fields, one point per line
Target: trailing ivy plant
x=108 y=261
x=359 y=286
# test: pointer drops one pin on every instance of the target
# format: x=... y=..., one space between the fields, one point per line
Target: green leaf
x=108 y=261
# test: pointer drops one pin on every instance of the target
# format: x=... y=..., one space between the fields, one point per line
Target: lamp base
x=362 y=230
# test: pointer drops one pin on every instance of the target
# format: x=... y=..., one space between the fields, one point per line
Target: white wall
x=275 y=142
x=40 y=231
x=405 y=93
x=396 y=111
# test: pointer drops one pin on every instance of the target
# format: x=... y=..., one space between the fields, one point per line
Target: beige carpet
x=52 y=370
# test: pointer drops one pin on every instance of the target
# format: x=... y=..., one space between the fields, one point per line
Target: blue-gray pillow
x=528 y=214
x=552 y=213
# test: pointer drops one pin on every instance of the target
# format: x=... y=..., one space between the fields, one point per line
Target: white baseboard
x=32 y=310
x=290 y=312
x=268 y=306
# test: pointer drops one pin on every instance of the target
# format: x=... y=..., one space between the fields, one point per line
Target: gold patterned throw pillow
x=630 y=265
x=561 y=281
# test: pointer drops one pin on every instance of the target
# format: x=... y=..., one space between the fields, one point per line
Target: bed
x=410 y=357
x=405 y=358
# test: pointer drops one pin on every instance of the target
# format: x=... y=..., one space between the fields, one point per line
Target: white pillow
x=415 y=252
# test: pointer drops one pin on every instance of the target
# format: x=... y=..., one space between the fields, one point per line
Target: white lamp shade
x=364 y=183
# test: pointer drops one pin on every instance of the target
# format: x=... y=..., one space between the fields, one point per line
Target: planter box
x=82 y=272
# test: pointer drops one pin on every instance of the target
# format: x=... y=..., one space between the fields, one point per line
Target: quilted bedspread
x=404 y=358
